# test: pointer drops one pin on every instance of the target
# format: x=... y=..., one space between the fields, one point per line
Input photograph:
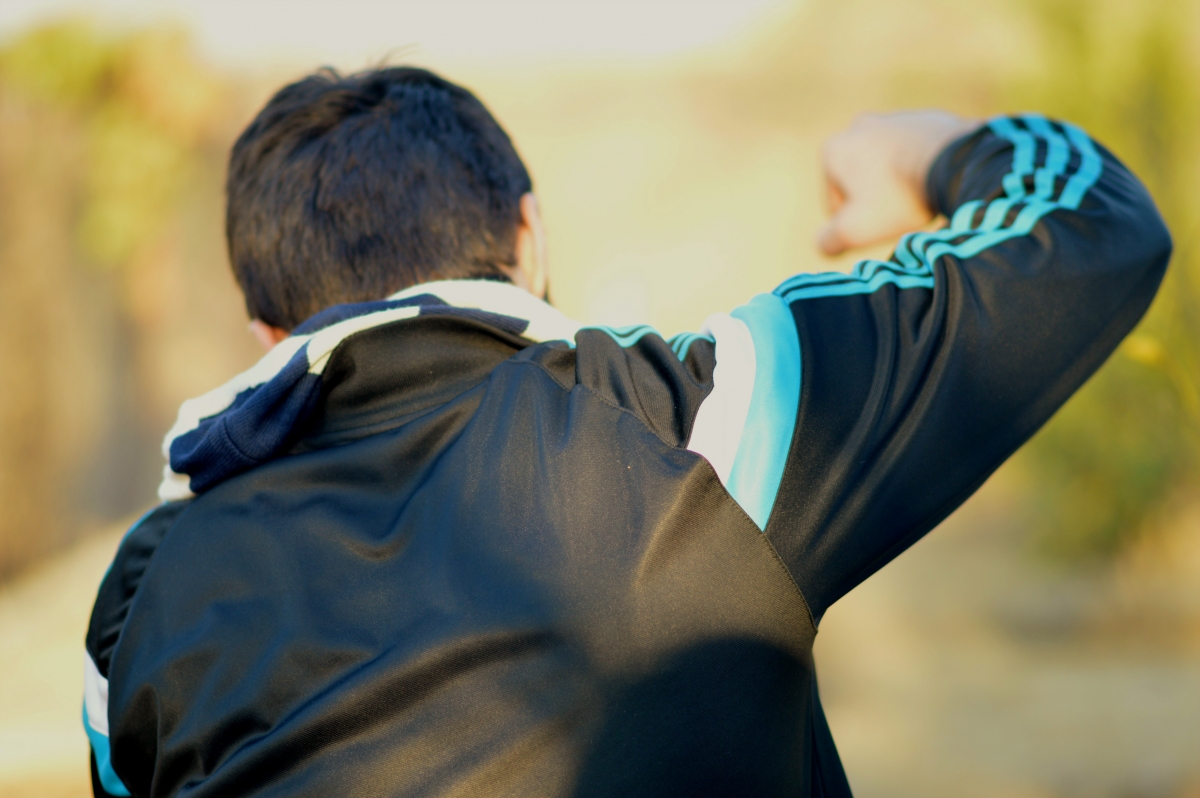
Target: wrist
x=936 y=131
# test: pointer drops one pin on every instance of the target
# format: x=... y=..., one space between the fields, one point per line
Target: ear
x=531 y=271
x=267 y=335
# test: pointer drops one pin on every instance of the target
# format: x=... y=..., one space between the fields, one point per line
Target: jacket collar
x=255 y=416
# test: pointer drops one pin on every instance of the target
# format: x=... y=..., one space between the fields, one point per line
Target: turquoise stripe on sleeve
x=1024 y=149
x=869 y=286
x=763 y=449
x=624 y=336
x=1089 y=171
x=1056 y=158
x=680 y=343
x=124 y=537
x=961 y=222
x=108 y=777
x=916 y=252
x=767 y=437
x=628 y=336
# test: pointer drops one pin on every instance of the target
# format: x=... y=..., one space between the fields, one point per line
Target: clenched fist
x=875 y=174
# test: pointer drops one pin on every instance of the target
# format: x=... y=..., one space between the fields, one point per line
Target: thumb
x=830 y=239
x=850 y=227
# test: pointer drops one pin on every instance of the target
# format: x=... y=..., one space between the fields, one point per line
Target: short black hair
x=350 y=188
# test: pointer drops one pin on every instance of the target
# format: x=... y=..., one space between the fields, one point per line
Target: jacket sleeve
x=116 y=594
x=851 y=413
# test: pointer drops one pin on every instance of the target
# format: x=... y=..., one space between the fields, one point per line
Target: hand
x=875 y=174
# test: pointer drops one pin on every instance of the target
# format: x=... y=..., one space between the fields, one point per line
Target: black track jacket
x=453 y=544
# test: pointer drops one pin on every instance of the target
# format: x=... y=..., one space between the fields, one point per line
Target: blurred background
x=1045 y=641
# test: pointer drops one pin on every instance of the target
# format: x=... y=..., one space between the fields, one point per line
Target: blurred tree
x=1126 y=449
x=1123 y=456
x=105 y=136
x=115 y=302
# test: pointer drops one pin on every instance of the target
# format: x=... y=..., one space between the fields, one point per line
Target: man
x=442 y=540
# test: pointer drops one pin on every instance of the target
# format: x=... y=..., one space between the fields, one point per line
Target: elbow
x=1136 y=251
x=1148 y=248
x=1161 y=247
x=1158 y=249
x=1135 y=236
x=1156 y=244
x=1148 y=254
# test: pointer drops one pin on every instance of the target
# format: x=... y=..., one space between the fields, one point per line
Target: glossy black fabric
x=912 y=397
x=124 y=576
x=522 y=589
x=491 y=567
x=98 y=790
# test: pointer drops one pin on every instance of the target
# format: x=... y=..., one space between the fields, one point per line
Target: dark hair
x=347 y=189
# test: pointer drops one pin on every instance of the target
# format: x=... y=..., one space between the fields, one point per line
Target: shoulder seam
x=599 y=397
x=762 y=535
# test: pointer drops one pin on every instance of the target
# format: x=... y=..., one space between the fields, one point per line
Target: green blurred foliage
x=119 y=140
x=107 y=139
x=59 y=64
x=1125 y=451
x=143 y=103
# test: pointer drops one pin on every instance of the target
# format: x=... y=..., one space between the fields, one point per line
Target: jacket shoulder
x=660 y=380
x=120 y=584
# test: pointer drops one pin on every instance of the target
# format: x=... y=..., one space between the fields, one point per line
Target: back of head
x=348 y=189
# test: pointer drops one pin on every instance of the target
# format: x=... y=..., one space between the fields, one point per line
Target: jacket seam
x=599 y=397
x=761 y=534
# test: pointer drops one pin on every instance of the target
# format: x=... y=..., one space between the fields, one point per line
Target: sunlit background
x=1045 y=641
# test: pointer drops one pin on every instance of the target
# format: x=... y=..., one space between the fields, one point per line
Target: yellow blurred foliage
x=144 y=104
x=1144 y=349
x=112 y=155
x=134 y=176
x=1129 y=442
x=61 y=64
x=670 y=188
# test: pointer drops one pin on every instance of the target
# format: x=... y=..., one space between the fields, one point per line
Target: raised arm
x=914 y=378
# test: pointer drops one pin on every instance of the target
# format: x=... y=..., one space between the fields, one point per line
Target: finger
x=835 y=197
x=858 y=223
x=830 y=239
